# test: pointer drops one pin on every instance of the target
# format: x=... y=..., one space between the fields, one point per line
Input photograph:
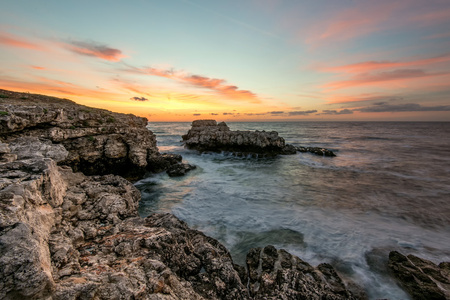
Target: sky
x=234 y=60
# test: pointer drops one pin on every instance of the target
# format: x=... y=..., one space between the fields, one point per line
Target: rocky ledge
x=98 y=141
x=207 y=135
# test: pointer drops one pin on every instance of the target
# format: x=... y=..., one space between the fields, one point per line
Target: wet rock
x=421 y=278
x=180 y=169
x=317 y=151
x=276 y=274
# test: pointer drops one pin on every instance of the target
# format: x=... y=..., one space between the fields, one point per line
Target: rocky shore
x=207 y=135
x=69 y=227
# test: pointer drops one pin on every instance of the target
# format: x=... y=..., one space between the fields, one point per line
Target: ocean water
x=387 y=189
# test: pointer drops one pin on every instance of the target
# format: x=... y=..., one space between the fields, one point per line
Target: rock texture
x=65 y=235
x=98 y=141
x=421 y=278
x=207 y=135
x=276 y=274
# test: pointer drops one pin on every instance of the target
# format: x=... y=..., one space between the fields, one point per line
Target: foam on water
x=351 y=210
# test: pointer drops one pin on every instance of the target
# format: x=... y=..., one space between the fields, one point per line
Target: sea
x=387 y=189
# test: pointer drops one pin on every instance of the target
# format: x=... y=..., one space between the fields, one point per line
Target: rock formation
x=207 y=135
x=65 y=235
x=98 y=141
x=421 y=278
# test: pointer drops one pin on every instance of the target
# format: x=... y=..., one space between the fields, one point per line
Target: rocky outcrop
x=421 y=278
x=207 y=135
x=98 y=141
x=65 y=235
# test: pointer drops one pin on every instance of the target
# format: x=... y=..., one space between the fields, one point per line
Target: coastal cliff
x=98 y=141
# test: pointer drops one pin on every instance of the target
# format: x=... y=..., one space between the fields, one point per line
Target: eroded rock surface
x=421 y=278
x=207 y=135
x=65 y=235
x=98 y=141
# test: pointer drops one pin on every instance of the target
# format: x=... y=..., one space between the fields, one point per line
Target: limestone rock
x=179 y=169
x=421 y=278
x=98 y=141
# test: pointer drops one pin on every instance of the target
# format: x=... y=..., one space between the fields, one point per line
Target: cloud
x=214 y=114
x=366 y=66
x=219 y=86
x=302 y=113
x=363 y=18
x=196 y=115
x=228 y=114
x=18 y=42
x=94 y=49
x=37 y=67
x=371 y=78
x=408 y=107
x=139 y=99
x=276 y=112
x=335 y=112
x=363 y=98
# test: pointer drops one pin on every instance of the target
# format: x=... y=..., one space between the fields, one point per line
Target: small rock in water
x=179 y=169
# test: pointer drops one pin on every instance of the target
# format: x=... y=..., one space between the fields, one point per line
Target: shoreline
x=79 y=235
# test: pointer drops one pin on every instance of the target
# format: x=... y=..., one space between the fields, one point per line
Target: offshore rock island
x=207 y=135
x=69 y=226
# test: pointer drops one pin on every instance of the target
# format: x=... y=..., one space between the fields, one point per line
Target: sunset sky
x=235 y=60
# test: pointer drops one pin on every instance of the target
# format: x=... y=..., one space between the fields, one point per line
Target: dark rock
x=276 y=274
x=179 y=169
x=316 y=150
x=421 y=278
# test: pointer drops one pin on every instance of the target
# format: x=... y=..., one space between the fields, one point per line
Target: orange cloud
x=366 y=66
x=389 y=76
x=95 y=50
x=14 y=41
x=37 y=67
x=219 y=86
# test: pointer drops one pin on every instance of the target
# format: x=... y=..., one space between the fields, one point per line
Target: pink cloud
x=374 y=78
x=366 y=66
x=37 y=67
x=362 y=19
x=95 y=50
x=15 y=41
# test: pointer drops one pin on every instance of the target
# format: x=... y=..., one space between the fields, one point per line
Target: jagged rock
x=207 y=135
x=98 y=141
x=317 y=150
x=421 y=278
x=276 y=274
